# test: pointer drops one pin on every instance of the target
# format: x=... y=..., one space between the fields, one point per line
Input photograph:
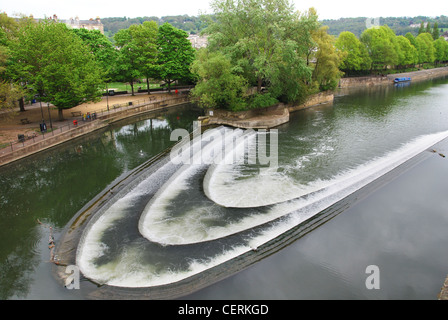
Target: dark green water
x=399 y=227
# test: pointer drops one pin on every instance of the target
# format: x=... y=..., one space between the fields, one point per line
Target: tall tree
x=357 y=58
x=382 y=46
x=435 y=31
x=425 y=48
x=10 y=89
x=422 y=28
x=219 y=86
x=102 y=49
x=56 y=65
x=128 y=61
x=407 y=55
x=327 y=60
x=428 y=28
x=268 y=44
x=145 y=38
x=440 y=50
x=175 y=55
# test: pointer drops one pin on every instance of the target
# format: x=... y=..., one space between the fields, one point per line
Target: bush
x=262 y=101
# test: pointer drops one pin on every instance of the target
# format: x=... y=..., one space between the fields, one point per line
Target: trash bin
x=130 y=103
x=21 y=137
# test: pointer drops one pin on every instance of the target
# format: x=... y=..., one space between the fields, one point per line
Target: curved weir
x=183 y=220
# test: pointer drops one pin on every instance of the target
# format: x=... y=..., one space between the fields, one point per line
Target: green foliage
x=357 y=58
x=382 y=46
x=144 y=37
x=400 y=25
x=425 y=48
x=441 y=50
x=219 y=86
x=268 y=45
x=101 y=47
x=435 y=31
x=326 y=69
x=56 y=64
x=190 y=24
x=175 y=55
x=407 y=53
x=260 y=100
x=128 y=62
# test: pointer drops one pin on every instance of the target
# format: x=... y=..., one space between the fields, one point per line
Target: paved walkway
x=78 y=125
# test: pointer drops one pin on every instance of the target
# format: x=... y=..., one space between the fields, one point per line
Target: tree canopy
x=55 y=64
x=269 y=45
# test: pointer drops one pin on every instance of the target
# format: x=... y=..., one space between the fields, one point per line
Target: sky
x=326 y=9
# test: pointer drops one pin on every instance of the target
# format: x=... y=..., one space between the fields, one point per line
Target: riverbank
x=265 y=118
x=100 y=115
x=271 y=117
x=387 y=80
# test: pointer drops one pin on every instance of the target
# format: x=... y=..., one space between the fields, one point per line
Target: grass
x=120 y=86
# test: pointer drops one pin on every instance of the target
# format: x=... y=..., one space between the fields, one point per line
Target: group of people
x=88 y=116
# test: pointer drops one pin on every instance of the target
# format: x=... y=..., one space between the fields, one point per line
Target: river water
x=358 y=173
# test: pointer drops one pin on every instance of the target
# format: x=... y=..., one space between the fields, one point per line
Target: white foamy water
x=128 y=269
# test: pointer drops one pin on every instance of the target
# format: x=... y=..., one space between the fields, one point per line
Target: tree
x=382 y=46
x=407 y=55
x=422 y=28
x=425 y=47
x=327 y=60
x=101 y=47
x=145 y=38
x=219 y=86
x=428 y=28
x=435 y=31
x=411 y=39
x=268 y=44
x=128 y=60
x=10 y=91
x=440 y=50
x=357 y=58
x=175 y=55
x=56 y=65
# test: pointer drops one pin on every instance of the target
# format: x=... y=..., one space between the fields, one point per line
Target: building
x=91 y=24
x=197 y=42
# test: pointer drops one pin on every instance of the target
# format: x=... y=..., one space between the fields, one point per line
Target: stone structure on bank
x=264 y=118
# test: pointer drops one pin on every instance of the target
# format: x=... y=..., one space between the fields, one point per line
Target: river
x=356 y=186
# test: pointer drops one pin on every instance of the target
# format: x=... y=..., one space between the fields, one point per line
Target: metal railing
x=143 y=105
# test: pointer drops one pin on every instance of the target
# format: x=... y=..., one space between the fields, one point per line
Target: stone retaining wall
x=101 y=122
x=381 y=80
x=264 y=118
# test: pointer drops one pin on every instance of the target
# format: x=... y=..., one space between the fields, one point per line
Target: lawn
x=121 y=86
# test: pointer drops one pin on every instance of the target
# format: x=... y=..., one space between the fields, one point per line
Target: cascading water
x=184 y=219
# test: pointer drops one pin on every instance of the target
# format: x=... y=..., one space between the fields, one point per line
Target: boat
x=404 y=79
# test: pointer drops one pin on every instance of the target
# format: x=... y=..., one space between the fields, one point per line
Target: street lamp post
x=107 y=96
x=43 y=126
x=49 y=115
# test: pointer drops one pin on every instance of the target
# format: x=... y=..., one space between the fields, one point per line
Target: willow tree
x=267 y=42
x=326 y=73
x=56 y=65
